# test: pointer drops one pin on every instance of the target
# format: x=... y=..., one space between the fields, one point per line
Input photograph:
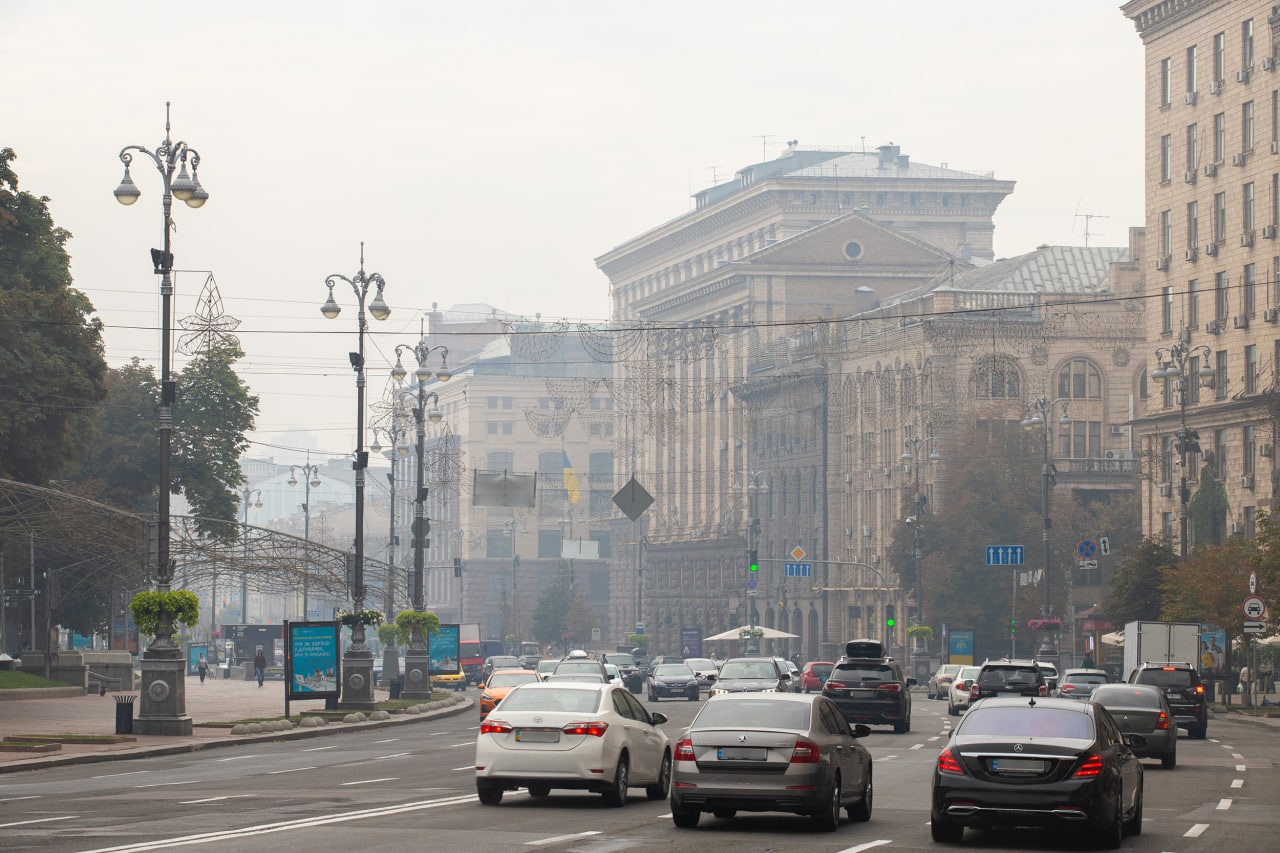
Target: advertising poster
x=194 y=651
x=312 y=657
x=442 y=649
x=1213 y=653
x=960 y=647
x=690 y=643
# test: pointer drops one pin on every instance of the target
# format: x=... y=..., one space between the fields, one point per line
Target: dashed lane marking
x=559 y=838
x=1196 y=830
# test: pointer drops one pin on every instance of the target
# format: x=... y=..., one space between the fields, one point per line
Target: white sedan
x=594 y=737
x=958 y=692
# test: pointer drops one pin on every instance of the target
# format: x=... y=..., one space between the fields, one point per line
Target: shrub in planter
x=149 y=607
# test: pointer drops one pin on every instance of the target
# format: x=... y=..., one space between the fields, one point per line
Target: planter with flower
x=155 y=613
x=357 y=621
x=416 y=625
x=1048 y=625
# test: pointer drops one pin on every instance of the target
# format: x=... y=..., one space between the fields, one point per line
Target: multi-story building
x=1211 y=269
x=719 y=293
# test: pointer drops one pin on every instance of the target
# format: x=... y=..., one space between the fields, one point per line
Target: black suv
x=869 y=687
x=1008 y=677
x=1182 y=687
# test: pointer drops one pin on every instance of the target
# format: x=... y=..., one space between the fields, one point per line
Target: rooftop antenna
x=1088 y=218
x=764 y=145
x=715 y=175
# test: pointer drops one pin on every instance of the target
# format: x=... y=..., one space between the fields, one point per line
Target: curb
x=23 y=693
x=457 y=705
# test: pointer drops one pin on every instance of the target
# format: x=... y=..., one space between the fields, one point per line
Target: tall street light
x=911 y=456
x=417 y=662
x=311 y=478
x=252 y=497
x=163 y=706
x=394 y=433
x=357 y=659
x=1039 y=413
x=1173 y=364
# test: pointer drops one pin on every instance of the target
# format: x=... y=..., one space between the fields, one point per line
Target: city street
x=407 y=786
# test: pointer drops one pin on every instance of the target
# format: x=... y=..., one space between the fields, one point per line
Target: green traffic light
x=889 y=621
x=752 y=562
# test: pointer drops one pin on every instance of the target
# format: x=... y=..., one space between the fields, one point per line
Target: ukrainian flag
x=570 y=479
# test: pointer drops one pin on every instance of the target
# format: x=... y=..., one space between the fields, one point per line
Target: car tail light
x=974 y=692
x=1043 y=690
x=495 y=727
x=1163 y=722
x=805 y=752
x=947 y=763
x=1199 y=689
x=1090 y=766
x=684 y=750
x=1066 y=688
x=595 y=729
x=835 y=685
x=889 y=688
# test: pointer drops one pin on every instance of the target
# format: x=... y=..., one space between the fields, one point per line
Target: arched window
x=997 y=377
x=1080 y=379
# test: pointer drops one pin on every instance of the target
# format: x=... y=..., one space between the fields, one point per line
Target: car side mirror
x=1136 y=740
x=710 y=676
x=911 y=682
x=786 y=676
x=657 y=718
x=861 y=730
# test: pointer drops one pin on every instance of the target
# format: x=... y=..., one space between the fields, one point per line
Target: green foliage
x=52 y=368
x=1137 y=584
x=425 y=621
x=389 y=634
x=352 y=618
x=640 y=641
x=552 y=608
x=1208 y=509
x=181 y=605
x=921 y=632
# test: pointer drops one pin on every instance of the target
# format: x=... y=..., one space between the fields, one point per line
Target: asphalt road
x=412 y=787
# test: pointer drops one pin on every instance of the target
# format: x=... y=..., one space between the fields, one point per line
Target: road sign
x=799 y=570
x=1104 y=546
x=633 y=499
x=1088 y=564
x=1086 y=549
x=1004 y=555
x=1255 y=627
x=751 y=583
x=798 y=554
x=1253 y=582
x=1254 y=607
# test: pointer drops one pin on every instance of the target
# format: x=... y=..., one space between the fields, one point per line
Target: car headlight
x=769 y=690
x=486 y=698
x=718 y=690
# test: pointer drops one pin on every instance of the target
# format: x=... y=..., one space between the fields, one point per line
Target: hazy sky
x=487 y=152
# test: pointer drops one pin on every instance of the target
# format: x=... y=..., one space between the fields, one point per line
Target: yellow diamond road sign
x=797 y=553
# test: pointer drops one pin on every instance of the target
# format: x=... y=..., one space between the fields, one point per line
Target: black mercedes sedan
x=1038 y=762
x=673 y=681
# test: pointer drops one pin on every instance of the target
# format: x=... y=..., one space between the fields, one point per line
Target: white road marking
x=887 y=758
x=163 y=784
x=388 y=740
x=116 y=775
x=1237 y=756
x=468 y=767
x=15 y=799
x=1224 y=804
x=1237 y=783
x=1240 y=768
x=916 y=746
x=290 y=770
x=371 y=781
x=38 y=820
x=456 y=745
x=237 y=757
x=558 y=838
x=935 y=737
x=320 y=748
x=392 y=755
x=212 y=799
x=1195 y=831
x=870 y=844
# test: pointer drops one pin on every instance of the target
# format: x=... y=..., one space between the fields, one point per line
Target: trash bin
x=397 y=685
x=124 y=713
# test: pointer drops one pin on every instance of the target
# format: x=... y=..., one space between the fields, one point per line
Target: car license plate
x=1017 y=765
x=741 y=753
x=537 y=735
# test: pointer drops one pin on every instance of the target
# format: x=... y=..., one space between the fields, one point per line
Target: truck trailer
x=1160 y=642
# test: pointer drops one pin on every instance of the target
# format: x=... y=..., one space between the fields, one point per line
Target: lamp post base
x=163 y=700
x=417 y=669
x=357 y=681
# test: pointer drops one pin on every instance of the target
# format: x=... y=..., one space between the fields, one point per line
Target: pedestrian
x=202 y=667
x=1245 y=684
x=260 y=666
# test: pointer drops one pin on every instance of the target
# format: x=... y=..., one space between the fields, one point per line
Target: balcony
x=1098 y=472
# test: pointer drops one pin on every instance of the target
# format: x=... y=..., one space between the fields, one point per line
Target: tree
x=1137 y=591
x=553 y=607
x=580 y=619
x=118 y=465
x=52 y=370
x=1208 y=510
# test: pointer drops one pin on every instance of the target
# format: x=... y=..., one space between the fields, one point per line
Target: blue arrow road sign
x=799 y=570
x=1004 y=555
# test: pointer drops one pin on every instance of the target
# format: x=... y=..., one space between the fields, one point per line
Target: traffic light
x=888 y=615
x=1013 y=626
x=753 y=564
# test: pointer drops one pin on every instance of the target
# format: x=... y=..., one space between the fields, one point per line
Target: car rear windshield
x=1125 y=696
x=672 y=669
x=622 y=659
x=1006 y=677
x=863 y=672
x=550 y=699
x=1088 y=678
x=1165 y=677
x=1025 y=721
x=511 y=679
x=753 y=713
x=821 y=669
x=578 y=666
x=748 y=669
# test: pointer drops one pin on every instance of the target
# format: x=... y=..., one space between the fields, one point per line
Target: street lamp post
x=1039 y=414
x=252 y=497
x=164 y=698
x=310 y=477
x=911 y=456
x=756 y=484
x=417 y=663
x=357 y=659
x=1173 y=362
x=394 y=433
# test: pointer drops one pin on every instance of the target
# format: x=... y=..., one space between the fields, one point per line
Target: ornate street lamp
x=252 y=497
x=1172 y=365
x=311 y=477
x=1039 y=413
x=394 y=432
x=416 y=660
x=163 y=706
x=357 y=660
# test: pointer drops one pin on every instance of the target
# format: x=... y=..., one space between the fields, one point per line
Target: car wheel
x=539 y=791
x=489 y=793
x=694 y=696
x=944 y=831
x=685 y=818
x=953 y=710
x=1201 y=732
x=660 y=789
x=725 y=814
x=1110 y=837
x=861 y=810
x=900 y=727
x=1170 y=761
x=828 y=817
x=616 y=796
x=653 y=697
x=1133 y=826
x=806 y=689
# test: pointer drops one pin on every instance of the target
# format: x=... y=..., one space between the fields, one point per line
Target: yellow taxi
x=456 y=681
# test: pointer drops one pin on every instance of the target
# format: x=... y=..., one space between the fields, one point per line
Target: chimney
x=904 y=162
x=888 y=154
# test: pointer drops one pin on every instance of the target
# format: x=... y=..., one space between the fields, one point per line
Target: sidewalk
x=212 y=702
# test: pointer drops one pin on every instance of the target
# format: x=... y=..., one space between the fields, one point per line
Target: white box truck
x=1160 y=642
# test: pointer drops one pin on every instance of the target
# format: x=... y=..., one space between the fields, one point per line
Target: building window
x=1084 y=439
x=1246 y=45
x=1219 y=58
x=1220 y=453
x=1249 y=449
x=549 y=544
x=1193 y=303
x=1191 y=69
x=1193 y=148
x=491 y=428
x=497 y=543
x=1165 y=82
x=1220 y=375
x=1166 y=156
x=1250 y=522
x=500 y=460
x=1219 y=217
x=1193 y=381
x=1219 y=136
x=1166 y=233
x=1166 y=459
x=1220 y=297
x=1080 y=379
x=1166 y=310
x=1249 y=292
x=1246 y=208
x=997 y=377
x=1246 y=126
x=1251 y=369
x=1193 y=225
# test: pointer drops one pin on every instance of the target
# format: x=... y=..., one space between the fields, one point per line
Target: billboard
x=312 y=660
x=960 y=647
x=690 y=643
x=442 y=651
